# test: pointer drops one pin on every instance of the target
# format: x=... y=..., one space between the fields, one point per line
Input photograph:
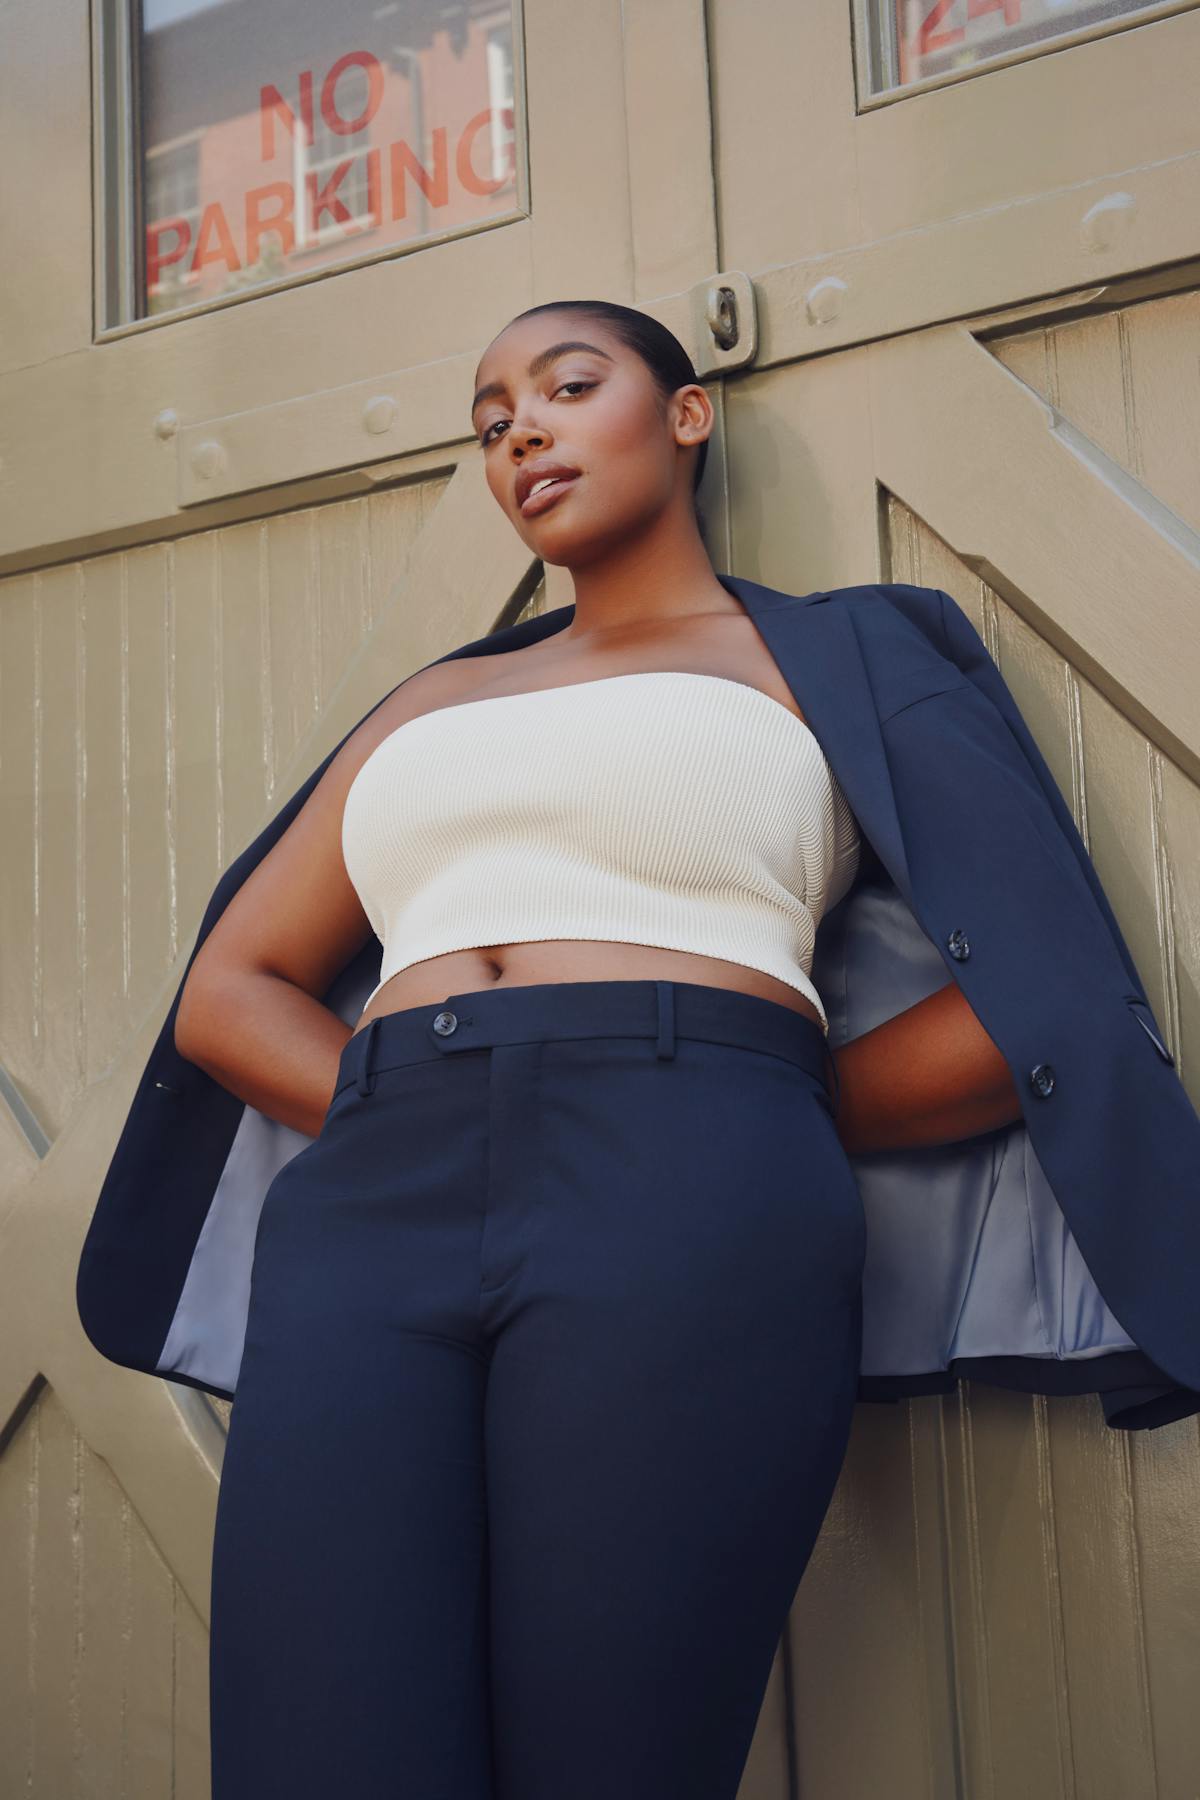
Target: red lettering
x=361 y=59
x=326 y=200
x=258 y=224
x=435 y=187
x=374 y=184
x=270 y=209
x=214 y=240
x=271 y=103
x=926 y=39
x=158 y=258
x=476 y=184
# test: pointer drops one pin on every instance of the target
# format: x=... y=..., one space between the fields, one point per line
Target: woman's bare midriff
x=570 y=959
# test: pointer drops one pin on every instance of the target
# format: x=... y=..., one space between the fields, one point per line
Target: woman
x=555 y=1326
x=543 y=1399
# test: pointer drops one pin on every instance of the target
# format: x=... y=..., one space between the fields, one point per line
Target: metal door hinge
x=724 y=322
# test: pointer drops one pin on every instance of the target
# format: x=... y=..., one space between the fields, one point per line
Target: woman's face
x=594 y=410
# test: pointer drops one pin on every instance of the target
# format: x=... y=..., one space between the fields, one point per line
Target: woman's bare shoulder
x=440 y=684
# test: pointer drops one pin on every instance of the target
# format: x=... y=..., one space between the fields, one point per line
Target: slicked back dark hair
x=660 y=350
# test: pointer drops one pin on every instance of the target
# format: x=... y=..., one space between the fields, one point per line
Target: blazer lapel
x=817 y=649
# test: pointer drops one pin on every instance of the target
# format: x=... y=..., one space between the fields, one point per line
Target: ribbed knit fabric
x=688 y=811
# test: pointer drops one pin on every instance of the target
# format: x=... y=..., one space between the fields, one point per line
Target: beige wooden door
x=226 y=529
x=977 y=370
x=226 y=532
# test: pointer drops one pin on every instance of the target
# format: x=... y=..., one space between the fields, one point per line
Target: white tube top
x=688 y=811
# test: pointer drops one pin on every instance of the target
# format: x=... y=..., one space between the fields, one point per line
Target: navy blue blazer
x=1058 y=1254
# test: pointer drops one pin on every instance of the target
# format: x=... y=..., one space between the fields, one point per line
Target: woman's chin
x=561 y=547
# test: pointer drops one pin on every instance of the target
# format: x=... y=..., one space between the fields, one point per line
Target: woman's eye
x=485 y=437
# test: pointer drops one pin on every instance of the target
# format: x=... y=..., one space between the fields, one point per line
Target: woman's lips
x=546 y=496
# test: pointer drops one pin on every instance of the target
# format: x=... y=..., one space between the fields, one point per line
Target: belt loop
x=666 y=1019
x=837 y=1080
x=365 y=1082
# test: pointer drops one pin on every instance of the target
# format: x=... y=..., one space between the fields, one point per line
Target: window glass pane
x=279 y=136
x=914 y=39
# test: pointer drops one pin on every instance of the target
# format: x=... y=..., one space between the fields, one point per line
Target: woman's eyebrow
x=541 y=361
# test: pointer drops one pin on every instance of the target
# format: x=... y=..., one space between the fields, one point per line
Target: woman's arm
x=250 y=1013
x=930 y=1075
x=265 y=1039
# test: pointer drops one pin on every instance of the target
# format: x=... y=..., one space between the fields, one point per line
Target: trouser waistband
x=662 y=1010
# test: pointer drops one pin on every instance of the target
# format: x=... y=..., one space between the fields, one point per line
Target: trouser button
x=445 y=1023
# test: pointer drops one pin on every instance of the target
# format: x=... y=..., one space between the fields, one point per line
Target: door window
x=909 y=41
x=278 y=139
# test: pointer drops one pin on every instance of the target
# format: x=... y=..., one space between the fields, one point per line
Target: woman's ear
x=694 y=414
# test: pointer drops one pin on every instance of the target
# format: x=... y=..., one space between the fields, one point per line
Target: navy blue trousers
x=551 y=1360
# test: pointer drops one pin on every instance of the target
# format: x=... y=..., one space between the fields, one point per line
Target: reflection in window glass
x=278 y=136
x=914 y=39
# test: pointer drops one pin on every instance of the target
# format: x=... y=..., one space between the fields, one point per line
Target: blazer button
x=958 y=945
x=445 y=1023
x=1041 y=1079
